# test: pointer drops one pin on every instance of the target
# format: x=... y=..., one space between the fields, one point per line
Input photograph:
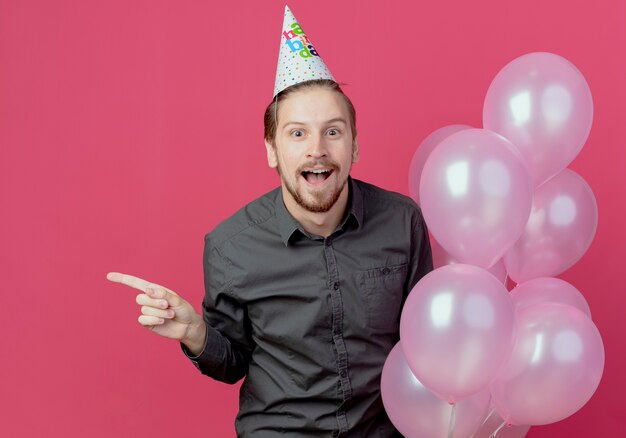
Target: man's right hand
x=164 y=312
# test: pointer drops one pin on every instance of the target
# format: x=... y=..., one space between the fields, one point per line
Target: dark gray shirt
x=308 y=320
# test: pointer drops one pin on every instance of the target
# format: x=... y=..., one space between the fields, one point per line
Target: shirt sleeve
x=228 y=345
x=421 y=262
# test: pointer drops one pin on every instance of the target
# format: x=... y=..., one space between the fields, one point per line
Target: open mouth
x=316 y=176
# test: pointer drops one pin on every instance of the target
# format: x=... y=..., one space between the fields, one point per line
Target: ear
x=355 y=150
x=272 y=160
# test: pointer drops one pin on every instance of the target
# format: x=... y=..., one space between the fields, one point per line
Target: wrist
x=195 y=337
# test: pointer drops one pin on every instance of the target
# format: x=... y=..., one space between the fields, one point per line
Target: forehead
x=314 y=105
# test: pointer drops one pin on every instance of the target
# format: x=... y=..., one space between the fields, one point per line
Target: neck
x=321 y=224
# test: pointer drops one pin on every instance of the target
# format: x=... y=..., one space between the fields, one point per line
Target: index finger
x=129 y=280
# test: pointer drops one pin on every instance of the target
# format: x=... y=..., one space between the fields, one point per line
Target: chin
x=316 y=204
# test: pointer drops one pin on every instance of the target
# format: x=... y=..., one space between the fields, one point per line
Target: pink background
x=129 y=129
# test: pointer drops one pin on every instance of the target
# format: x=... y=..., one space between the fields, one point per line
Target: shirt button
x=336 y=285
x=343 y=373
x=386 y=271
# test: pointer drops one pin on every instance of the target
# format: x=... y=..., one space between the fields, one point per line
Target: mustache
x=321 y=163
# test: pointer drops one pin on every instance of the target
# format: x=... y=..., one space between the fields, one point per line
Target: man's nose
x=316 y=147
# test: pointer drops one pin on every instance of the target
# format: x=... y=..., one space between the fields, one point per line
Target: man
x=304 y=286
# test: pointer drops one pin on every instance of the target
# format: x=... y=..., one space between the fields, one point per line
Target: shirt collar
x=287 y=225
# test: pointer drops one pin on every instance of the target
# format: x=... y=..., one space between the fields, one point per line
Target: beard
x=318 y=201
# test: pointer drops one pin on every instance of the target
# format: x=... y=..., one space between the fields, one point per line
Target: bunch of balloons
x=501 y=203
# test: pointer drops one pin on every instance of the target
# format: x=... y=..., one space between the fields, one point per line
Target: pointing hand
x=164 y=312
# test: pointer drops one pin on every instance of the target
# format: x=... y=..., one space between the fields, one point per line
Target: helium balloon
x=560 y=229
x=416 y=412
x=549 y=290
x=555 y=367
x=542 y=104
x=423 y=151
x=457 y=329
x=475 y=196
x=442 y=258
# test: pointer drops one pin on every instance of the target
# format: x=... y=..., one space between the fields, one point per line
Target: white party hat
x=298 y=61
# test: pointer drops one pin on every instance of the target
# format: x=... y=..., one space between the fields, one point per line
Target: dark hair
x=271 y=113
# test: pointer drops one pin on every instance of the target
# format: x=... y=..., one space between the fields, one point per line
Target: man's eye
x=333 y=132
x=297 y=133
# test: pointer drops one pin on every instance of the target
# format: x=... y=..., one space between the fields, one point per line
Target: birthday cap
x=298 y=61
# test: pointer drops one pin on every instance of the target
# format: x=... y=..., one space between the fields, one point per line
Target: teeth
x=319 y=171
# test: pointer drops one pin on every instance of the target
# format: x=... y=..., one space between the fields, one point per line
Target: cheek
x=290 y=156
x=348 y=158
x=288 y=163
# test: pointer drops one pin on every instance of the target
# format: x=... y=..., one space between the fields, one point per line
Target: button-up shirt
x=308 y=320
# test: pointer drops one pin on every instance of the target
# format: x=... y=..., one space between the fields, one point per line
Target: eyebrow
x=327 y=122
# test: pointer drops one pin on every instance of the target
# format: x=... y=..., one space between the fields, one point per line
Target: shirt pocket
x=383 y=288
